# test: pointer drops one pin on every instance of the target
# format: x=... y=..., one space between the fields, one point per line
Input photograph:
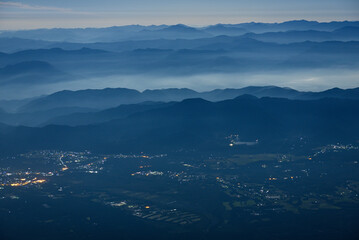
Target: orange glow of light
x=39 y=181
x=19 y=184
x=64 y=168
x=147 y=207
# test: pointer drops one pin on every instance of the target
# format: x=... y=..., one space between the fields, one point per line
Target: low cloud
x=315 y=80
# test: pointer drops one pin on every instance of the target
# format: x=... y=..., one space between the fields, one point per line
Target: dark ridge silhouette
x=200 y=124
x=112 y=97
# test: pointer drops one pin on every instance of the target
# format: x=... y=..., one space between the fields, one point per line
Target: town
x=257 y=184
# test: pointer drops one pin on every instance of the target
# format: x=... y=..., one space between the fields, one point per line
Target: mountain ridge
x=118 y=96
x=136 y=31
x=201 y=124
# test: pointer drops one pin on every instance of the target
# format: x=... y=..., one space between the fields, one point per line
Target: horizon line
x=179 y=88
x=189 y=25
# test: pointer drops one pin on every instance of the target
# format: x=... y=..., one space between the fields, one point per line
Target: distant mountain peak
x=195 y=101
x=181 y=27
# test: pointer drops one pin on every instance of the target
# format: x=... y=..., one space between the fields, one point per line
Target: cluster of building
x=154 y=213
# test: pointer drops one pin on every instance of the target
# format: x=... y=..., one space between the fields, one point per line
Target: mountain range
x=15 y=43
x=137 y=32
x=206 y=56
x=35 y=62
x=92 y=106
x=37 y=65
x=199 y=124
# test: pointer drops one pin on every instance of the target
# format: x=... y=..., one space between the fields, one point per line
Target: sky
x=32 y=14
